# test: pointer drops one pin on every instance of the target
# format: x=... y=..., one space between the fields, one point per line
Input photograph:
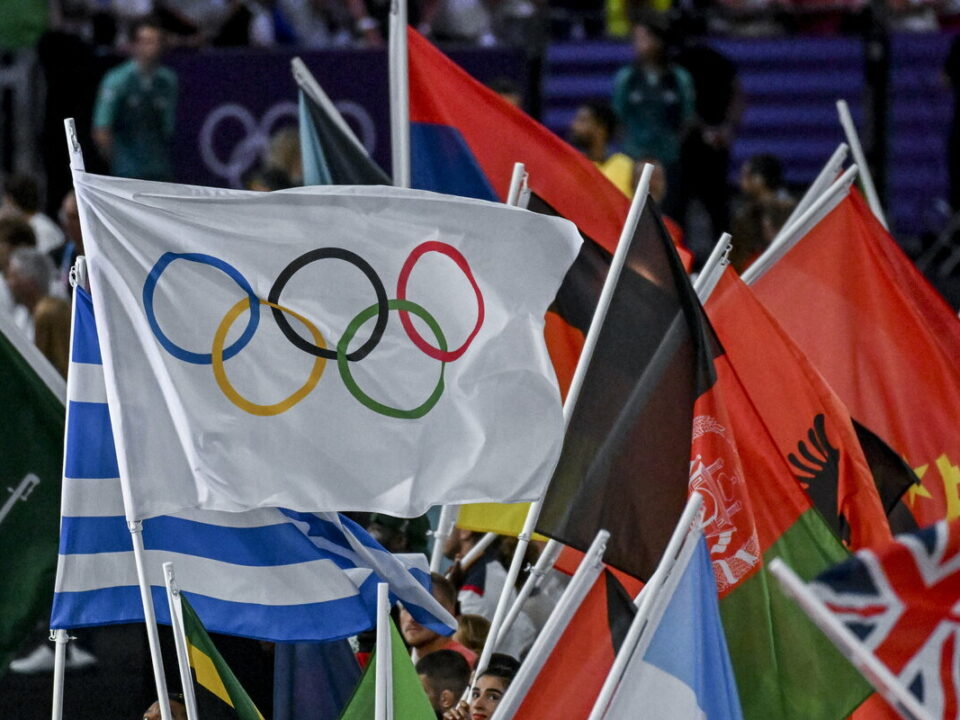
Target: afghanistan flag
x=625 y=461
x=808 y=423
x=882 y=338
x=212 y=673
x=31 y=456
x=410 y=702
x=571 y=677
x=755 y=510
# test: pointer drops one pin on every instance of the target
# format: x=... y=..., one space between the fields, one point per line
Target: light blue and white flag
x=680 y=668
x=267 y=573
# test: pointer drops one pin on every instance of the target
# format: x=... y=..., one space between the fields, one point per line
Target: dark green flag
x=31 y=463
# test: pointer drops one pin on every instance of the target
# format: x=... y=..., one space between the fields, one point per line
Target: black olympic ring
x=323 y=254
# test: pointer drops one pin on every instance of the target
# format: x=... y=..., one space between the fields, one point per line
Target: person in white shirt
x=22 y=198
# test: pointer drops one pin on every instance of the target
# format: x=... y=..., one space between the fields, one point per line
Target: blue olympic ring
x=150 y=286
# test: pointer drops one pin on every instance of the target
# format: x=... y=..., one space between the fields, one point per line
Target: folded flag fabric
x=680 y=668
x=254 y=356
x=330 y=155
x=570 y=678
x=883 y=339
x=902 y=601
x=31 y=448
x=211 y=671
x=271 y=574
x=410 y=702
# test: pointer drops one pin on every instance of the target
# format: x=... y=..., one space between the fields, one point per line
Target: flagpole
x=445 y=525
x=869 y=665
x=824 y=179
x=399 y=94
x=583 y=579
x=644 y=601
x=180 y=641
x=517 y=180
x=61 y=639
x=383 y=700
x=801 y=226
x=308 y=83
x=713 y=268
x=869 y=189
x=548 y=556
x=134 y=526
x=576 y=383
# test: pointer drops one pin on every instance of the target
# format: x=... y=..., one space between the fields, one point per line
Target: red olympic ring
x=415 y=337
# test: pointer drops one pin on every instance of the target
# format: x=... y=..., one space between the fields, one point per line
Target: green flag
x=211 y=670
x=31 y=460
x=409 y=700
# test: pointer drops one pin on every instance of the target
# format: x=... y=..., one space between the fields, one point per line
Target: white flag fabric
x=325 y=348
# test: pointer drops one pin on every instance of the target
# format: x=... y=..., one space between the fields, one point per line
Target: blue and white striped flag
x=269 y=573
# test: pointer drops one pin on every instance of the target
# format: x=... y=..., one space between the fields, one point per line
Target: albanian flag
x=882 y=338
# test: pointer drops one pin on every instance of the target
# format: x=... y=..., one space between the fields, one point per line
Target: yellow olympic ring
x=220 y=373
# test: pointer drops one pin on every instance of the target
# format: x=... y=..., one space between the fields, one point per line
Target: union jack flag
x=903 y=601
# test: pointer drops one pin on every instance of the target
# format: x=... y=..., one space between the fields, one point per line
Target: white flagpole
x=879 y=675
x=548 y=556
x=180 y=641
x=448 y=513
x=135 y=526
x=308 y=83
x=474 y=553
x=650 y=593
x=383 y=702
x=713 y=268
x=399 y=94
x=583 y=579
x=590 y=343
x=445 y=525
x=61 y=639
x=824 y=179
x=869 y=189
x=801 y=226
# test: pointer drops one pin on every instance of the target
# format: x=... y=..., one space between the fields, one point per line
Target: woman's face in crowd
x=487 y=694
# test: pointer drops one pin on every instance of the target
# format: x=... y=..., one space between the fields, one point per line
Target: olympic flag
x=325 y=348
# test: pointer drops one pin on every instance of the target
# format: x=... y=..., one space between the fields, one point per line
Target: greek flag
x=269 y=573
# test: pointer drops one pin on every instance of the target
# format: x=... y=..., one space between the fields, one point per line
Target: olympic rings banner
x=323 y=349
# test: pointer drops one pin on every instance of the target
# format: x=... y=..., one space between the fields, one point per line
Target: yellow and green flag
x=409 y=700
x=211 y=670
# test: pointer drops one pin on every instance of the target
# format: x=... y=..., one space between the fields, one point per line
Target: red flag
x=807 y=422
x=569 y=682
x=882 y=338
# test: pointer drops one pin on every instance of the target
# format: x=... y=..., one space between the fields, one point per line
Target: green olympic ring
x=344 y=366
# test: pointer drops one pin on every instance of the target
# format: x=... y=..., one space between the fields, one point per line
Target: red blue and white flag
x=902 y=601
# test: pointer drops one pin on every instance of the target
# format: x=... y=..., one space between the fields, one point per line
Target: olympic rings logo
x=316 y=344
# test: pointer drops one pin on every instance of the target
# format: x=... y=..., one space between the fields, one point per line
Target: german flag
x=212 y=673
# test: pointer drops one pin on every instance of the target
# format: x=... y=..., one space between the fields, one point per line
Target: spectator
x=177 y=708
x=21 y=197
x=284 y=153
x=654 y=99
x=133 y=119
x=423 y=641
x=508 y=89
x=28 y=275
x=320 y=23
x=761 y=178
x=480 y=584
x=488 y=690
x=706 y=149
x=465 y=21
x=400 y=535
x=66 y=255
x=445 y=675
x=14 y=234
x=472 y=632
x=591 y=130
